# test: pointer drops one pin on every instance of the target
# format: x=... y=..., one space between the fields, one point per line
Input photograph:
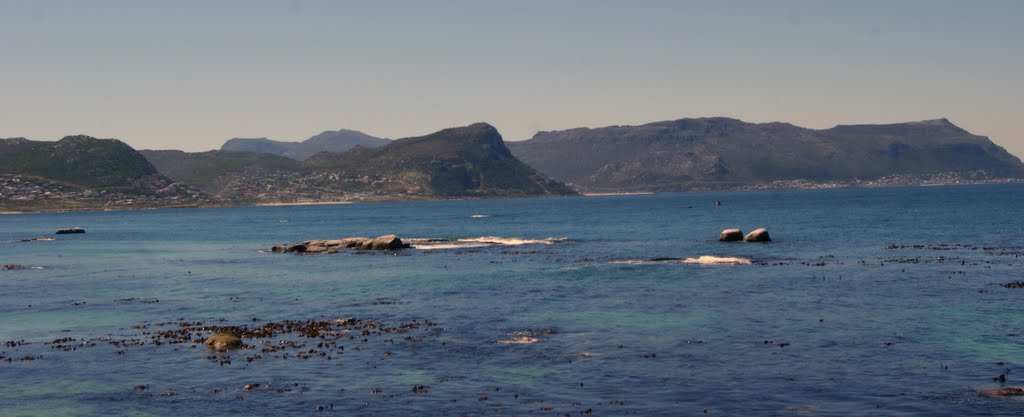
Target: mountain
x=81 y=171
x=721 y=153
x=457 y=162
x=464 y=161
x=328 y=141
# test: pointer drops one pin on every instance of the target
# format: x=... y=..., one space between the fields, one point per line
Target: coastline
x=748 y=188
x=304 y=203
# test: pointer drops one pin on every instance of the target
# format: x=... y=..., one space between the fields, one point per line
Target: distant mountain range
x=723 y=153
x=329 y=141
x=474 y=161
x=468 y=161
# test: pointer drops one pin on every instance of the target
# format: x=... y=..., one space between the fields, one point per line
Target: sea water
x=884 y=301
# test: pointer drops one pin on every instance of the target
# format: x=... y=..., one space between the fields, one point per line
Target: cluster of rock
x=70 y=230
x=386 y=242
x=736 y=235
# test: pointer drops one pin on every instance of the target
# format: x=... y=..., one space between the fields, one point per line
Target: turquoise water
x=830 y=319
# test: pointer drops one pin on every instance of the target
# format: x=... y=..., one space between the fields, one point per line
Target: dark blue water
x=830 y=319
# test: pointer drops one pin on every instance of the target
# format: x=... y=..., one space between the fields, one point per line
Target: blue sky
x=191 y=74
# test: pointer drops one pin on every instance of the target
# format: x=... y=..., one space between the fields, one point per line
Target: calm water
x=829 y=320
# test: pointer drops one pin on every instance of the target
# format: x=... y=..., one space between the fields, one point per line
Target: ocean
x=869 y=301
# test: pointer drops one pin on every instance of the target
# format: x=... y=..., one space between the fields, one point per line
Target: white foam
x=512 y=241
x=480 y=216
x=717 y=260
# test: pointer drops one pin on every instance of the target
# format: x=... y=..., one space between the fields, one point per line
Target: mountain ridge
x=326 y=141
x=724 y=153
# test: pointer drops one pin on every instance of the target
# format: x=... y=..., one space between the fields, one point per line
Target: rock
x=13 y=267
x=223 y=341
x=348 y=242
x=758 y=235
x=731 y=235
x=387 y=242
x=1002 y=392
x=319 y=249
x=35 y=239
x=69 y=230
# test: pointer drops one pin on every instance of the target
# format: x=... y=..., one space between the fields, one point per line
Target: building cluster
x=28 y=191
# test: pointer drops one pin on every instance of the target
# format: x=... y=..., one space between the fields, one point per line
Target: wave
x=717 y=260
x=480 y=216
x=478 y=242
x=701 y=260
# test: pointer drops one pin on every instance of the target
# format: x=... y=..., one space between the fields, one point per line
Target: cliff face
x=722 y=153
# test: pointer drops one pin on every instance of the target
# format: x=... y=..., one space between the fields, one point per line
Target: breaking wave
x=478 y=242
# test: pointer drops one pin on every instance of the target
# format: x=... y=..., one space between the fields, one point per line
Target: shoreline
x=306 y=203
x=823 y=186
x=614 y=194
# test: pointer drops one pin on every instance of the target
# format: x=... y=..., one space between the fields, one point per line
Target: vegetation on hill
x=79 y=160
x=210 y=170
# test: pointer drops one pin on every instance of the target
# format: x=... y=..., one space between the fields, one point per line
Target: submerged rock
x=1002 y=392
x=223 y=341
x=731 y=235
x=758 y=235
x=70 y=230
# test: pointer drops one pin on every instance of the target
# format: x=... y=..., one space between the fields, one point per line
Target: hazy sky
x=191 y=74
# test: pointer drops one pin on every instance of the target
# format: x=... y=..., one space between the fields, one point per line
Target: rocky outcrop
x=758 y=235
x=386 y=242
x=223 y=341
x=731 y=235
x=70 y=230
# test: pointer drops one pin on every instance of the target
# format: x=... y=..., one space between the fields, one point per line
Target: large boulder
x=731 y=235
x=223 y=341
x=758 y=235
x=387 y=242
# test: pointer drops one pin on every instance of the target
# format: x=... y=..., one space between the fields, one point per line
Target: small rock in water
x=70 y=230
x=1016 y=284
x=758 y=235
x=223 y=341
x=731 y=235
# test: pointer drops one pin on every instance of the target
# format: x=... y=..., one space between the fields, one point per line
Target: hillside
x=719 y=153
x=82 y=171
x=328 y=141
x=211 y=170
x=458 y=162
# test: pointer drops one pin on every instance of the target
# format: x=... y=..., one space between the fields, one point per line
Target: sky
x=191 y=74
